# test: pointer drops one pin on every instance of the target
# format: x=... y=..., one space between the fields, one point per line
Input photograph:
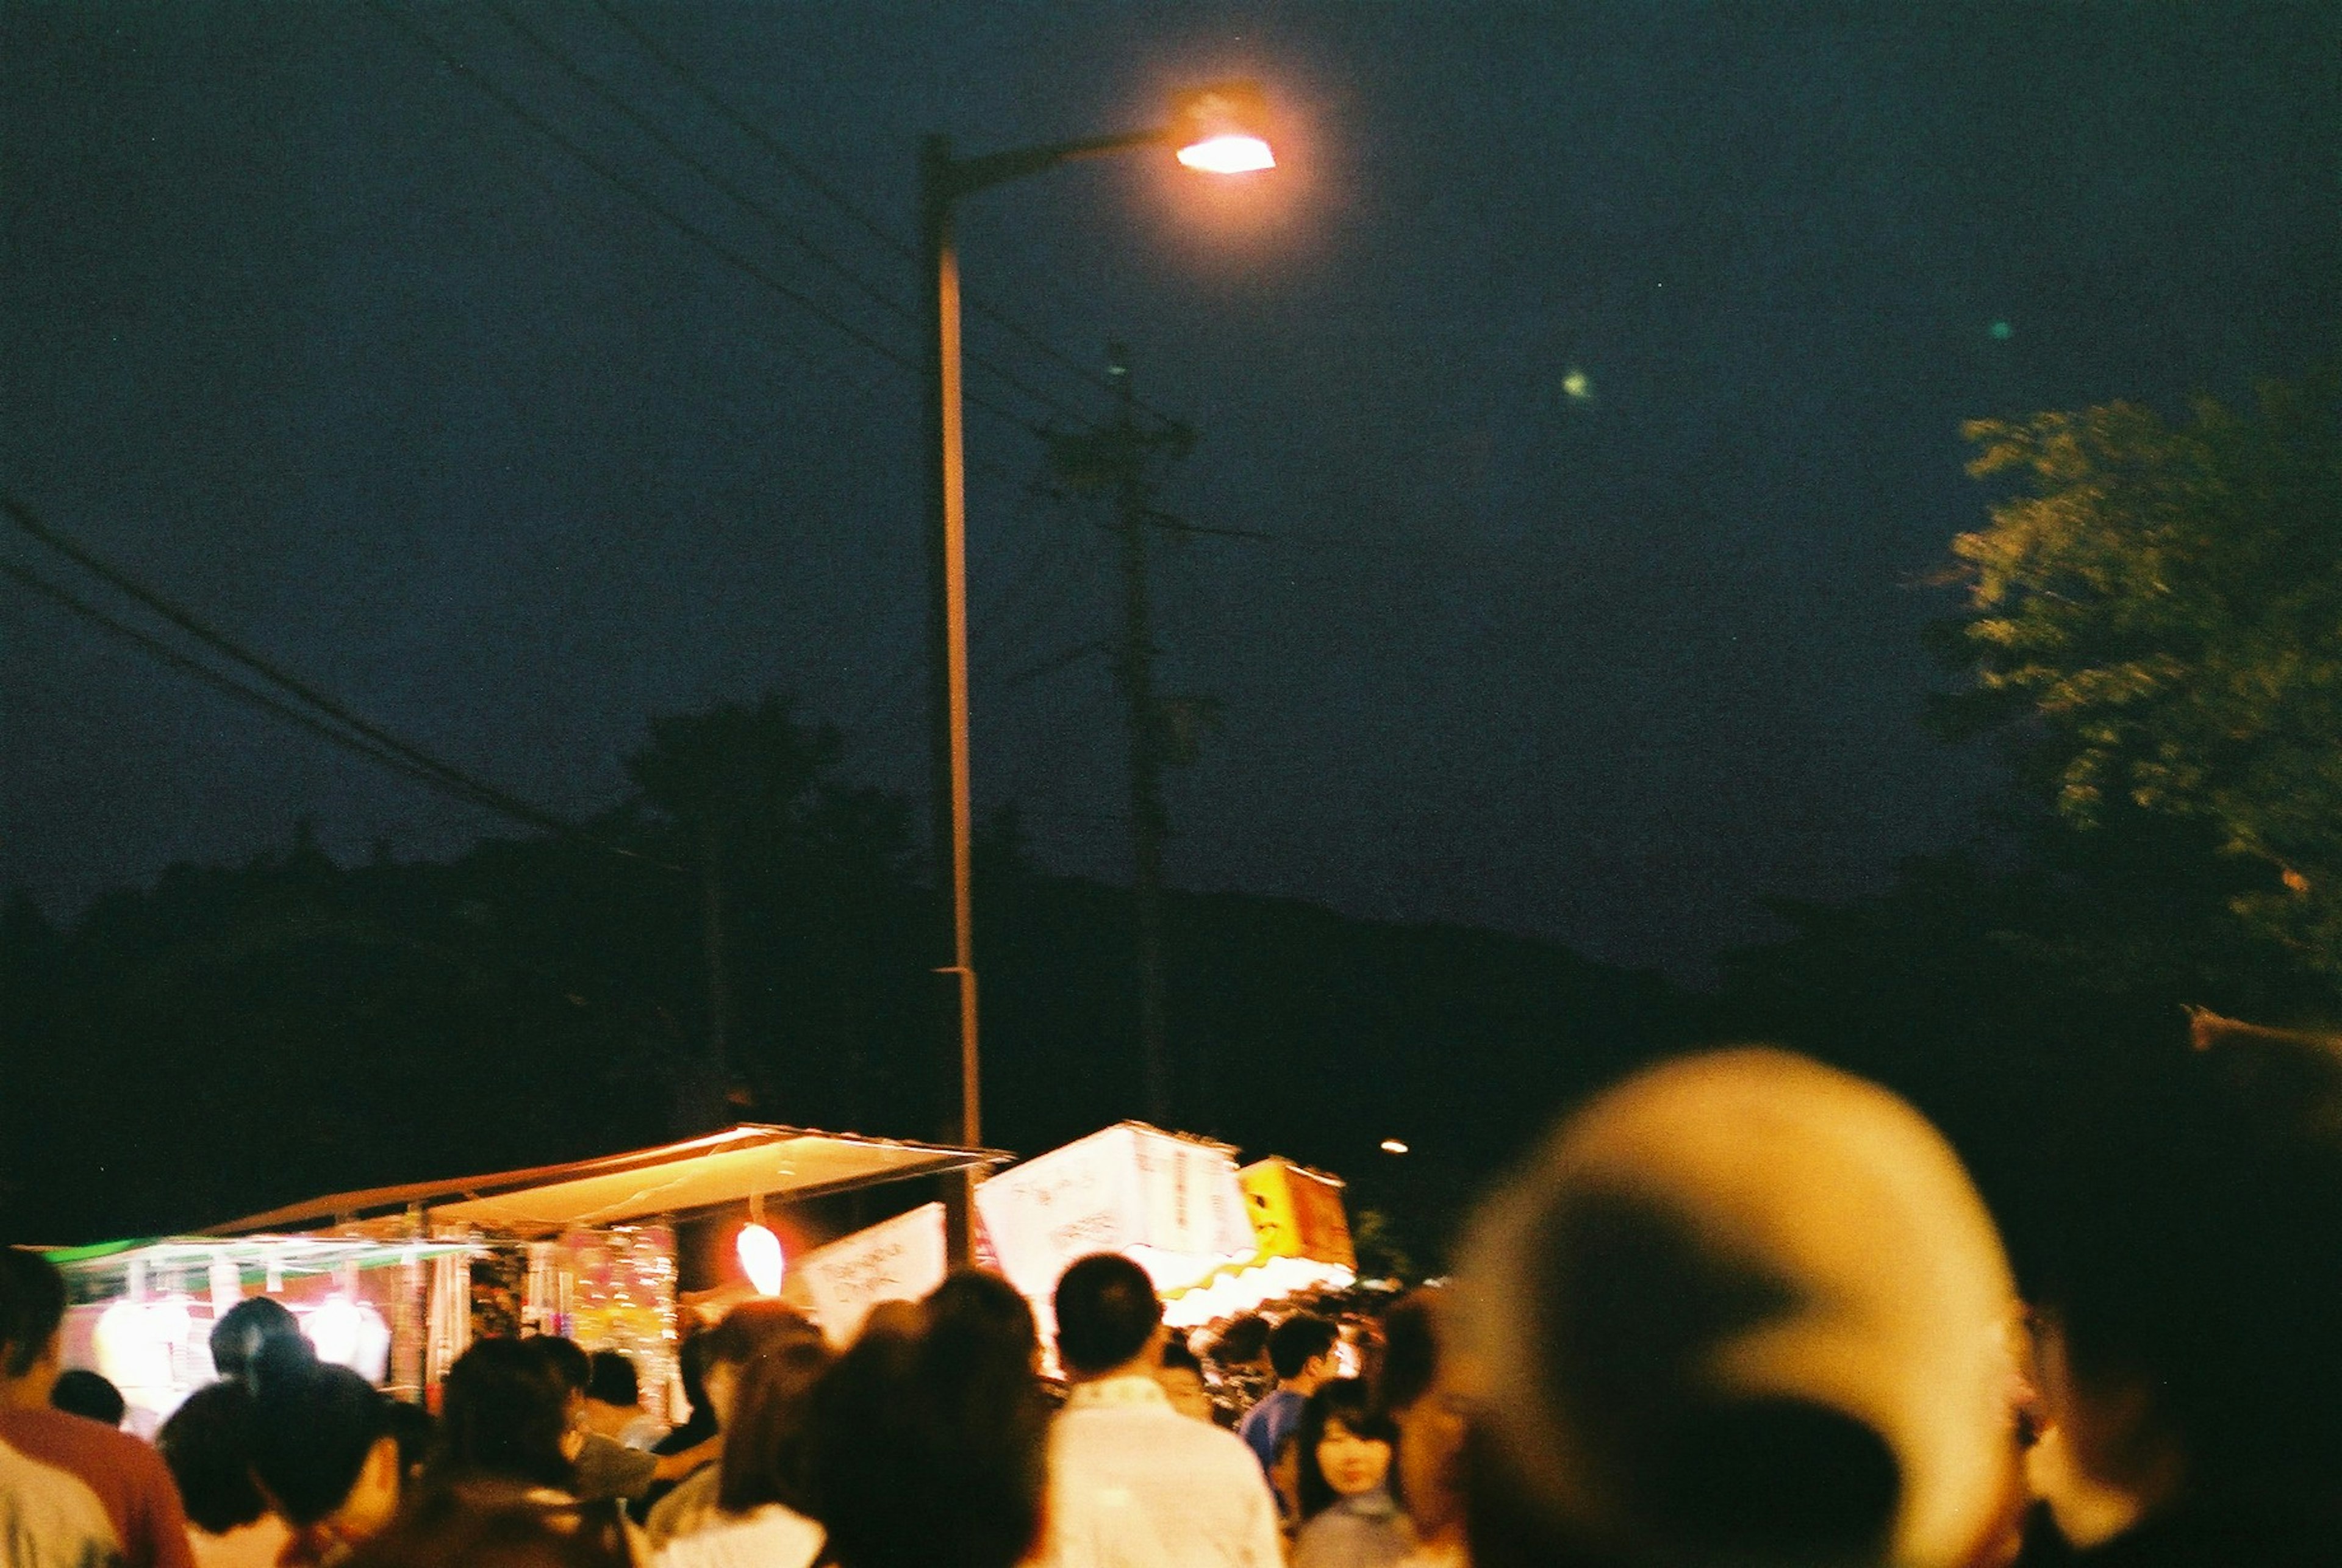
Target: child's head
x=1344 y=1445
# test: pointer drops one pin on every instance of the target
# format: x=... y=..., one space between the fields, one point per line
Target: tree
x=2154 y=624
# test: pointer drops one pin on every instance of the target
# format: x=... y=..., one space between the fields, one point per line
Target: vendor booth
x=397 y=1281
x=1216 y=1240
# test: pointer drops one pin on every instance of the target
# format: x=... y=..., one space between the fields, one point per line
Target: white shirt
x=767 y=1537
x=1133 y=1484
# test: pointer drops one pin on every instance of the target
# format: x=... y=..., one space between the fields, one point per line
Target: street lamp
x=1216 y=129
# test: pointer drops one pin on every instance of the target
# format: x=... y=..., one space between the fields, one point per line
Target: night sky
x=1596 y=369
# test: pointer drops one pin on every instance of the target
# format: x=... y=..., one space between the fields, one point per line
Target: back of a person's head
x=766 y=1452
x=567 y=1359
x=83 y=1392
x=313 y=1424
x=1299 y=1340
x=1410 y=1359
x=2187 y=1254
x=1243 y=1342
x=975 y=1305
x=748 y=1328
x=488 y=1524
x=1107 y=1311
x=252 y=1327
x=207 y=1444
x=926 y=1454
x=504 y=1411
x=614 y=1380
x=32 y=1305
x=1742 y=1309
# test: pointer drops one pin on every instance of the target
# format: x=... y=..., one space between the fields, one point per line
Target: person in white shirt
x=1132 y=1482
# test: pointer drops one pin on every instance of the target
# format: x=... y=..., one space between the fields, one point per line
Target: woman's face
x=1351 y=1464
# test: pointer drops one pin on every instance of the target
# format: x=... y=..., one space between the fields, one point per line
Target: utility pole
x=1114 y=458
x=1135 y=669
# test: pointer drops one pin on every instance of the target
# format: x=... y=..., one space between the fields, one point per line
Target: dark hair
x=1107 y=1308
x=313 y=1426
x=1242 y=1342
x=207 y=1443
x=32 y=1304
x=747 y=1328
x=416 y=1431
x=2186 y=1247
x=88 y=1394
x=613 y=1380
x=497 y=1525
x=1298 y=1341
x=929 y=1447
x=984 y=1306
x=251 y=1326
x=567 y=1359
x=1410 y=1361
x=1176 y=1353
x=1348 y=1401
x=504 y=1413
x=691 y=1367
x=764 y=1449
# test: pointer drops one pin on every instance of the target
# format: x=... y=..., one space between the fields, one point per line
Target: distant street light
x=1217 y=129
x=1393 y=1146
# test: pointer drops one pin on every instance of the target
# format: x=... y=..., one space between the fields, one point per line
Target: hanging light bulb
x=760 y=1251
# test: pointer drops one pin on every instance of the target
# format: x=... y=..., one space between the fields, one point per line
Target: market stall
x=397 y=1281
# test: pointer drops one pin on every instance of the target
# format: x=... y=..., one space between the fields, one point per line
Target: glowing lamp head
x=1223 y=130
x=760 y=1256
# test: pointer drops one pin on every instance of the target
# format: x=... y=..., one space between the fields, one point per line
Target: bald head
x=1743 y=1308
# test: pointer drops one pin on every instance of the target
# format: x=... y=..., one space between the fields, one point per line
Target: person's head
x=765 y=1458
x=981 y=1305
x=491 y=1525
x=613 y=1381
x=323 y=1451
x=1417 y=1389
x=1301 y=1351
x=2184 y=1279
x=929 y=1447
x=1343 y=1444
x=252 y=1325
x=1741 y=1308
x=504 y=1413
x=691 y=1370
x=1108 y=1314
x=570 y=1365
x=1244 y=1343
x=31 y=1312
x=746 y=1332
x=1181 y=1377
x=83 y=1392
x=207 y=1444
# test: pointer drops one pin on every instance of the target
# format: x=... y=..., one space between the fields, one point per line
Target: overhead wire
x=567 y=64
x=829 y=192
x=454 y=778
x=635 y=191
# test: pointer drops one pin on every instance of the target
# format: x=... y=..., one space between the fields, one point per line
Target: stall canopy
x=728 y=1167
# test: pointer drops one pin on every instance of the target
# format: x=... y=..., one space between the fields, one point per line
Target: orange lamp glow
x=1221 y=130
x=760 y=1256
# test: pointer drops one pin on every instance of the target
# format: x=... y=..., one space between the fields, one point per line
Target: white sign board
x=901 y=1259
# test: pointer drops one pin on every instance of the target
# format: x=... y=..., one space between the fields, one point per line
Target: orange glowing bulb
x=760 y=1256
x=1228 y=154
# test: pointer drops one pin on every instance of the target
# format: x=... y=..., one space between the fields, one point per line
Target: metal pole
x=948 y=571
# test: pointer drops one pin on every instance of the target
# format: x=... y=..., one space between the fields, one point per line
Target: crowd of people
x=1742 y=1309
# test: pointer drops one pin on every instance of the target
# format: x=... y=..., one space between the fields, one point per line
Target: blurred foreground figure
x=498 y=1525
x=2189 y=1292
x=1742 y=1309
x=71 y=1491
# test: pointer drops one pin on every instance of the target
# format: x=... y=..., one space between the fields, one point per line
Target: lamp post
x=1217 y=130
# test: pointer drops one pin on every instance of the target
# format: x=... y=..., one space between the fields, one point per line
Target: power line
x=567 y=63
x=633 y=191
x=846 y=203
x=451 y=777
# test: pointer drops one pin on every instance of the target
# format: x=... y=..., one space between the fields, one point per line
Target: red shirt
x=72 y=1491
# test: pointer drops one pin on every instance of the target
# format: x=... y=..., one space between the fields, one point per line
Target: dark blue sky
x=318 y=337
